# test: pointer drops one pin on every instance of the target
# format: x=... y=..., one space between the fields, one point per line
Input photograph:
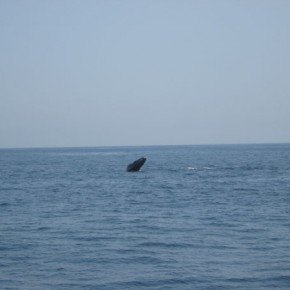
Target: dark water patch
x=163 y=245
x=156 y=284
x=278 y=282
x=95 y=239
x=43 y=228
x=143 y=260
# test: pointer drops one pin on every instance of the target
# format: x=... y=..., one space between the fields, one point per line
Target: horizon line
x=146 y=145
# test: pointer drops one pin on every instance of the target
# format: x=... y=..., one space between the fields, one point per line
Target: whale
x=136 y=165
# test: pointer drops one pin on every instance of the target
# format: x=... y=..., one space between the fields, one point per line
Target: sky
x=145 y=72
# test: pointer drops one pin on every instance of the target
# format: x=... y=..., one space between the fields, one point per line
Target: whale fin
x=136 y=165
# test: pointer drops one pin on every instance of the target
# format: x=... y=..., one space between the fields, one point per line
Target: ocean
x=194 y=217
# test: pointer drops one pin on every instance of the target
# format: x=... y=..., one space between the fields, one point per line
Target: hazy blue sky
x=140 y=72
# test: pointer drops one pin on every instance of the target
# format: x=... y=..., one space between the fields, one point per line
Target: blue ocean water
x=194 y=217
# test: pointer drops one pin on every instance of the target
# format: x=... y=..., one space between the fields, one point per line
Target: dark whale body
x=136 y=165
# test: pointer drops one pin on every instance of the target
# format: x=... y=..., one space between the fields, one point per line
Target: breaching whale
x=136 y=165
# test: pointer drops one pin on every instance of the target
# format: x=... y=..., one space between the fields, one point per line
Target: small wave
x=284 y=278
x=191 y=168
x=42 y=228
x=169 y=283
x=243 y=280
x=164 y=245
x=250 y=168
x=141 y=260
x=4 y=204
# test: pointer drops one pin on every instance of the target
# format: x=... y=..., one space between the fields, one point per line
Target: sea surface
x=194 y=217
